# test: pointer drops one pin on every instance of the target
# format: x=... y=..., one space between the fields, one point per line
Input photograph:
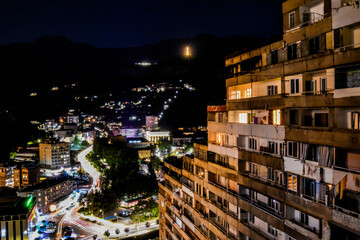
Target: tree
x=164 y=146
x=155 y=162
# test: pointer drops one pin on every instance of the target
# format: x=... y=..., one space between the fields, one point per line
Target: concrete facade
x=283 y=156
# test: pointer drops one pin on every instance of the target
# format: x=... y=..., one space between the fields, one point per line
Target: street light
x=117 y=218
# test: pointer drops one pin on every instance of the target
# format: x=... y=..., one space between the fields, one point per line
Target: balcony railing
x=202 y=231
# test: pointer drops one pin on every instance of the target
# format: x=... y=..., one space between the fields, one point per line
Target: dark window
x=323 y=85
x=293 y=117
x=337 y=38
x=292 y=149
x=304 y=218
x=355 y=120
x=291 y=19
x=321 y=119
x=314 y=45
x=274 y=56
x=272 y=90
x=294 y=86
x=292 y=51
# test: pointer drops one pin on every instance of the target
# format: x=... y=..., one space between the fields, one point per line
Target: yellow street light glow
x=187 y=51
x=52 y=207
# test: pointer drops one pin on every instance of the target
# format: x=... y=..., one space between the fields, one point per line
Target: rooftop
x=47 y=183
x=15 y=205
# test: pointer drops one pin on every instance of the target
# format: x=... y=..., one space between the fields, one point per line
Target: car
x=46 y=238
x=68 y=228
x=50 y=230
x=82 y=235
x=94 y=221
x=67 y=234
x=42 y=228
x=124 y=214
x=86 y=219
x=100 y=223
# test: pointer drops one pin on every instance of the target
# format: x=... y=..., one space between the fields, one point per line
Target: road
x=85 y=227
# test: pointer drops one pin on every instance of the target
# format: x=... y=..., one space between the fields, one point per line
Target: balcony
x=312 y=135
x=259 y=130
x=310 y=100
x=230 y=151
x=346 y=218
x=263 y=158
x=346 y=55
x=304 y=229
x=346 y=138
x=219 y=230
x=265 y=188
x=201 y=230
x=310 y=206
x=320 y=23
x=265 y=102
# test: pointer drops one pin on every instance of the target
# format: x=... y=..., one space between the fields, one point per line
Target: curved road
x=89 y=229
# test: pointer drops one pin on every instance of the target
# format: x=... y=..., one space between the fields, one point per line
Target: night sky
x=131 y=23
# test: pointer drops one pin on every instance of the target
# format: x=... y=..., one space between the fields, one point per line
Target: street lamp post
x=117 y=218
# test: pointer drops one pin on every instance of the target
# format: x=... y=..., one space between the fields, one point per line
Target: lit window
x=276 y=117
x=292 y=182
x=248 y=93
x=243 y=118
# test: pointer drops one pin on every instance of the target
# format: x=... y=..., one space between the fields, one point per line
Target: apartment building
x=7 y=175
x=26 y=174
x=17 y=218
x=283 y=155
x=49 y=191
x=54 y=154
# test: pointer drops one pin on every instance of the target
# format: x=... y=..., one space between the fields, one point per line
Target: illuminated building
x=283 y=155
x=26 y=174
x=17 y=217
x=7 y=175
x=155 y=136
x=54 y=154
x=49 y=191
x=152 y=122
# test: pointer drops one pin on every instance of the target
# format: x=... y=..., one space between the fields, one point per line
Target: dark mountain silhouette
x=56 y=61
